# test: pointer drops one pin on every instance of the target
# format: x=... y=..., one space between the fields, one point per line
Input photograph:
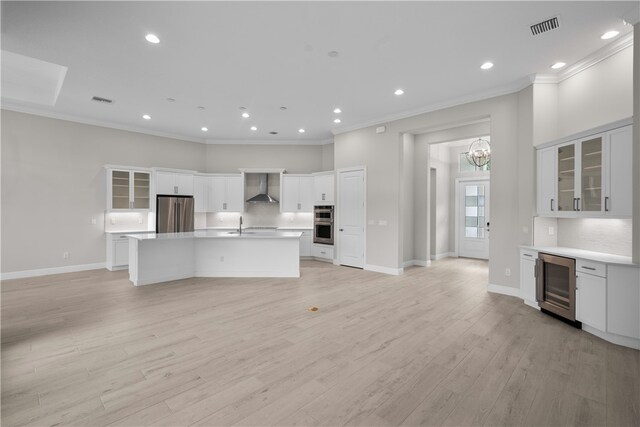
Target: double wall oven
x=556 y=286
x=323 y=225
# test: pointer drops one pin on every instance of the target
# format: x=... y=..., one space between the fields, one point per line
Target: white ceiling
x=263 y=55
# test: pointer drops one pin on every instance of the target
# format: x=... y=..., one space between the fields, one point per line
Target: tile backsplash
x=259 y=215
x=611 y=236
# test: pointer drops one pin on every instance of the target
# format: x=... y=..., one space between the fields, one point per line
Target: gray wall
x=636 y=143
x=408 y=148
x=53 y=184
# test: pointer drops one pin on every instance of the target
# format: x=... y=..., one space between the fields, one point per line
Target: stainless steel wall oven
x=556 y=286
x=323 y=225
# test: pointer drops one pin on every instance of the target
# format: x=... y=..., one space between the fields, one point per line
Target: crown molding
x=516 y=86
x=100 y=123
x=218 y=141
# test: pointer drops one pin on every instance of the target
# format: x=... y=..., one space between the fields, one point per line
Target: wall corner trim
x=52 y=270
x=385 y=270
x=417 y=263
x=504 y=290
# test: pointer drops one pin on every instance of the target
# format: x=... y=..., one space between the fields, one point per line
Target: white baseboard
x=504 y=290
x=52 y=270
x=532 y=304
x=614 y=338
x=417 y=262
x=385 y=270
x=437 y=257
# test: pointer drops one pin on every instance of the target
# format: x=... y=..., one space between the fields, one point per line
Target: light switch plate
x=552 y=231
x=382 y=223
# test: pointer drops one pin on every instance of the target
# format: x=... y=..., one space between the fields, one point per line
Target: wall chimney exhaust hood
x=263 y=192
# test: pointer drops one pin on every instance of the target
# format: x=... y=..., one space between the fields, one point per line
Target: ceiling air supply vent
x=99 y=99
x=544 y=26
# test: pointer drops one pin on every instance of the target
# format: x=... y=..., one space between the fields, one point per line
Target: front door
x=351 y=218
x=473 y=219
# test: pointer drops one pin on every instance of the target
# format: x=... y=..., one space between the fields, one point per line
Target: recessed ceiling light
x=245 y=115
x=336 y=120
x=146 y=117
x=609 y=35
x=398 y=92
x=486 y=65
x=204 y=129
x=337 y=111
x=152 y=38
x=301 y=130
x=253 y=128
x=558 y=65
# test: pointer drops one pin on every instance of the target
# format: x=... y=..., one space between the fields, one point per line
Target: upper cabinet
x=588 y=177
x=296 y=193
x=174 y=183
x=128 y=190
x=200 y=193
x=225 y=193
x=323 y=185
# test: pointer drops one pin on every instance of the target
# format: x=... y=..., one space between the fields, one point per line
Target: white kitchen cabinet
x=591 y=294
x=226 y=193
x=618 y=200
x=200 y=193
x=322 y=252
x=174 y=183
x=305 y=241
x=528 y=276
x=323 y=188
x=623 y=301
x=296 y=193
x=117 y=251
x=547 y=182
x=128 y=190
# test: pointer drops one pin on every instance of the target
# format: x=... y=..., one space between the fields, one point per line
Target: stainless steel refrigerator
x=174 y=214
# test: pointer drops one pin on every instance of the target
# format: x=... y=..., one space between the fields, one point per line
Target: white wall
x=53 y=185
x=440 y=160
x=598 y=95
x=327 y=157
x=228 y=158
x=406 y=189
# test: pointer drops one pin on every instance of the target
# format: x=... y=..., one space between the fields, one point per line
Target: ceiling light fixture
x=337 y=111
x=301 y=130
x=253 y=128
x=245 y=115
x=204 y=129
x=398 y=92
x=487 y=65
x=337 y=120
x=479 y=153
x=152 y=38
x=558 y=65
x=146 y=117
x=609 y=35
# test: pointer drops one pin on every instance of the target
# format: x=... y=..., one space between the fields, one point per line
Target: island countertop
x=217 y=234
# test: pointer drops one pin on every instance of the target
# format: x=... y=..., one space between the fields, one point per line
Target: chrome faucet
x=240 y=227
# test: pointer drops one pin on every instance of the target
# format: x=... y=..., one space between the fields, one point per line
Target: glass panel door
x=591 y=172
x=566 y=177
x=141 y=190
x=119 y=189
x=474 y=204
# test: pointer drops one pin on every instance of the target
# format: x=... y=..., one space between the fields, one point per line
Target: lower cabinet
x=591 y=300
x=623 y=301
x=528 y=276
x=305 y=243
x=323 y=252
x=117 y=252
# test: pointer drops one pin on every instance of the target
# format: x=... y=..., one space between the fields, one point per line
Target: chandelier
x=479 y=152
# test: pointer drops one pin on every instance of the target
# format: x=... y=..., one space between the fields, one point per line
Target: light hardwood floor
x=431 y=347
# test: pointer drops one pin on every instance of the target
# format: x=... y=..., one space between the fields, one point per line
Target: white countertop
x=212 y=234
x=128 y=231
x=256 y=228
x=582 y=254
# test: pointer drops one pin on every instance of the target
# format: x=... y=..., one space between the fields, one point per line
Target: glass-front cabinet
x=590 y=198
x=128 y=190
x=566 y=178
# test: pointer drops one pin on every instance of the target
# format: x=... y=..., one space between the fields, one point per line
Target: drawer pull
x=588 y=268
x=529 y=255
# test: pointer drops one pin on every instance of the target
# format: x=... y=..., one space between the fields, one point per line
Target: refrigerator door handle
x=177 y=218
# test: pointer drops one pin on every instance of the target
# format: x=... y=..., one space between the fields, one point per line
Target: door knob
x=342 y=229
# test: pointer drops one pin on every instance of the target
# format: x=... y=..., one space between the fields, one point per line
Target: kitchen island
x=155 y=258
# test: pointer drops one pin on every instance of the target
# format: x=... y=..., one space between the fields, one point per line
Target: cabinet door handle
x=299 y=206
x=588 y=268
x=551 y=205
x=578 y=204
x=342 y=229
x=606 y=204
x=224 y=206
x=575 y=204
x=175 y=189
x=322 y=196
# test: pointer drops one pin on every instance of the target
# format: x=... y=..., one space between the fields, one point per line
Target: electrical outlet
x=65 y=255
x=507 y=272
x=93 y=221
x=139 y=220
x=220 y=219
x=552 y=231
x=113 y=221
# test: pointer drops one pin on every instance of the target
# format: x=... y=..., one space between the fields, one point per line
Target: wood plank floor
x=431 y=347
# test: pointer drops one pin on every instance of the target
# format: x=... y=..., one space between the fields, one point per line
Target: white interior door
x=351 y=218
x=473 y=219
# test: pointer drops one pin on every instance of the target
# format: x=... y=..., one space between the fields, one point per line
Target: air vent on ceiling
x=99 y=99
x=544 y=26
